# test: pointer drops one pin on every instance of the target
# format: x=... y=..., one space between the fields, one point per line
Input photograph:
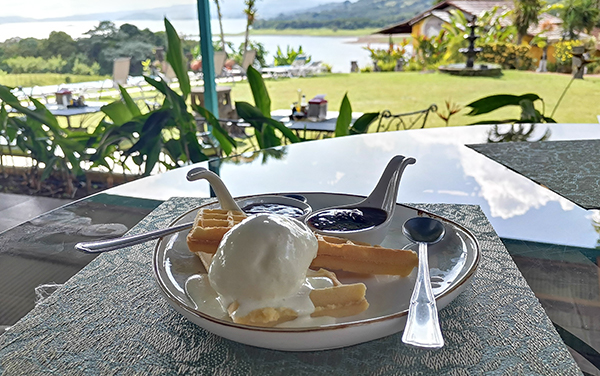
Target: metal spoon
x=422 y=325
x=225 y=200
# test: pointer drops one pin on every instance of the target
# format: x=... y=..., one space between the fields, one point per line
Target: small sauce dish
x=275 y=204
x=367 y=221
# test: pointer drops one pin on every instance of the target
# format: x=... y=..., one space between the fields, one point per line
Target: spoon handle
x=422 y=325
x=126 y=241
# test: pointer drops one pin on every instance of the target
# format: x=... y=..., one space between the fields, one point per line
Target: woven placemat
x=569 y=168
x=111 y=319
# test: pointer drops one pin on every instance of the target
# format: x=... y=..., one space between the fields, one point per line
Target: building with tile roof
x=431 y=21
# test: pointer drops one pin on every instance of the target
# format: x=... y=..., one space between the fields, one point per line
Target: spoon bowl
x=367 y=221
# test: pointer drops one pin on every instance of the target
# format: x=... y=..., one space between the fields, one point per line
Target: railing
x=408 y=120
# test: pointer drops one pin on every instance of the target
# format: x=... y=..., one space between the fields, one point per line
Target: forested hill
x=348 y=15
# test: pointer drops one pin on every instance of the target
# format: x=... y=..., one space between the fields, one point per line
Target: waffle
x=358 y=257
x=210 y=225
x=337 y=301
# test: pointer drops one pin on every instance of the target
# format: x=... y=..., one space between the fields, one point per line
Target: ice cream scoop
x=262 y=262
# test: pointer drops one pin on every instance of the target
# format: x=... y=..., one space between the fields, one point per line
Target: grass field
x=42 y=79
x=402 y=92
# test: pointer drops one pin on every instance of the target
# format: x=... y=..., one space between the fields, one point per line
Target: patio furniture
x=226 y=110
x=298 y=68
x=326 y=127
x=240 y=70
x=408 y=120
x=497 y=325
x=121 y=71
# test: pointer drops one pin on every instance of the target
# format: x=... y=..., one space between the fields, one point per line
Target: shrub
x=55 y=64
x=30 y=64
x=563 y=53
x=289 y=56
x=86 y=70
x=508 y=55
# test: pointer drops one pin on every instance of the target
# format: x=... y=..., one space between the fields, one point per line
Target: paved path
x=16 y=209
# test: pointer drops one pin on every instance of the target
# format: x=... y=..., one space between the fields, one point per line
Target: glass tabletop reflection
x=553 y=241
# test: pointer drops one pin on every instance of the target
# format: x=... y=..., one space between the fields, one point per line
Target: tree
x=579 y=16
x=58 y=43
x=220 y=16
x=250 y=11
x=526 y=12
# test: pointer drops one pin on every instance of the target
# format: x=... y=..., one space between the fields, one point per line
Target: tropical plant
x=429 y=51
x=526 y=13
x=579 y=16
x=508 y=55
x=38 y=135
x=290 y=55
x=344 y=126
x=169 y=130
x=220 y=17
x=526 y=102
x=259 y=115
x=250 y=12
x=386 y=59
x=451 y=109
x=491 y=28
x=563 y=53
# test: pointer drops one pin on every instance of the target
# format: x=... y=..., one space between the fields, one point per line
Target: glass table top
x=553 y=241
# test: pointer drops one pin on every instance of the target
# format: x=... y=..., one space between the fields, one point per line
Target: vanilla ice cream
x=262 y=262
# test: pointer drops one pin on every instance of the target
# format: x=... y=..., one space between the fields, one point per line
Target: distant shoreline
x=364 y=36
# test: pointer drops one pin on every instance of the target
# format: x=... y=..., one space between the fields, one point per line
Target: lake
x=335 y=51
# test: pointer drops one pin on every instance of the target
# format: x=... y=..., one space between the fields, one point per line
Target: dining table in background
x=552 y=242
x=69 y=112
x=325 y=127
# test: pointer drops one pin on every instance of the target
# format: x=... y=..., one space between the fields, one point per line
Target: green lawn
x=409 y=91
x=43 y=79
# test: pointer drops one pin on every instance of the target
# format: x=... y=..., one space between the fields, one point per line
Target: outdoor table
x=110 y=318
x=326 y=126
x=66 y=112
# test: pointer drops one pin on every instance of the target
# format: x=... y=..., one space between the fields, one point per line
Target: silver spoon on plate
x=422 y=325
x=226 y=202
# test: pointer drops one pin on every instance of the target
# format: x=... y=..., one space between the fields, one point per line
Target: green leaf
x=494 y=102
x=259 y=91
x=129 y=102
x=176 y=59
x=225 y=141
x=361 y=125
x=264 y=125
x=342 y=125
x=118 y=112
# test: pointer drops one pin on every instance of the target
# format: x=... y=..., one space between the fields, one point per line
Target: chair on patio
x=167 y=73
x=121 y=71
x=247 y=60
x=408 y=120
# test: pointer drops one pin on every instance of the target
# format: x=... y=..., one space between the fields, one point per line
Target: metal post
x=208 y=62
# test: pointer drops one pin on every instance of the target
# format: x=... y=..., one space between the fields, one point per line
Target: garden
x=128 y=140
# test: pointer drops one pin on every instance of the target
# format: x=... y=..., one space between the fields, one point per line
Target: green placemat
x=111 y=319
x=569 y=168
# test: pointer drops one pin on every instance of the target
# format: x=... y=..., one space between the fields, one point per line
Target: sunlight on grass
x=43 y=79
x=402 y=92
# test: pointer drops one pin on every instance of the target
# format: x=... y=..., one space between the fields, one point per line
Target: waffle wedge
x=210 y=225
x=358 y=257
x=337 y=301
